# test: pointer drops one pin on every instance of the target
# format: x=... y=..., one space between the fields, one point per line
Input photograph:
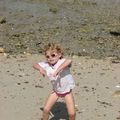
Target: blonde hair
x=52 y=47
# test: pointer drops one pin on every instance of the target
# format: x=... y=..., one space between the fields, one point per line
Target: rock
x=2 y=50
x=116 y=93
x=2 y=19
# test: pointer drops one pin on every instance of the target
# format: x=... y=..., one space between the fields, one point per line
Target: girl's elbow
x=70 y=61
x=35 y=65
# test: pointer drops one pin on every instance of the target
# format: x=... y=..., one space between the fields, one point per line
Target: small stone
x=2 y=50
x=118 y=118
x=38 y=86
x=116 y=93
x=26 y=82
x=18 y=83
x=2 y=19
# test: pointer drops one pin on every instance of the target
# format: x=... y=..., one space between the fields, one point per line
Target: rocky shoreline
x=82 y=27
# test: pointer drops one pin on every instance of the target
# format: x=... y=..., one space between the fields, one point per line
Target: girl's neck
x=52 y=64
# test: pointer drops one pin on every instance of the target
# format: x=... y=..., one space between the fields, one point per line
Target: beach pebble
x=117 y=86
x=116 y=93
x=2 y=50
x=2 y=19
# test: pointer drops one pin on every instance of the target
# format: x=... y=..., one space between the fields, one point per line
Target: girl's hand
x=54 y=74
x=42 y=72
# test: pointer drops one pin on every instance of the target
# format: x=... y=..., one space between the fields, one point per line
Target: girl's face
x=52 y=57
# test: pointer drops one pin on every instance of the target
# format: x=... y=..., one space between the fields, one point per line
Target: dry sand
x=23 y=91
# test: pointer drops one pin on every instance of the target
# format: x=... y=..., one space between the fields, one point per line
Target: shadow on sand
x=58 y=111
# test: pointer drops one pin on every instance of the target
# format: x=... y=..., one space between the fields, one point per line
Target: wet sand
x=23 y=90
x=82 y=27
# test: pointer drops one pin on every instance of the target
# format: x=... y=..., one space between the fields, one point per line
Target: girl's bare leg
x=69 y=100
x=52 y=98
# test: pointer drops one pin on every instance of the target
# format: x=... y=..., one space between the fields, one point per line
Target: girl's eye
x=53 y=55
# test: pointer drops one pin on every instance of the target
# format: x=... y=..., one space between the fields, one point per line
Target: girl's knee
x=72 y=114
x=46 y=110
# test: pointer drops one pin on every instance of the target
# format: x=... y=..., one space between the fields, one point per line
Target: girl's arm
x=39 y=68
x=65 y=64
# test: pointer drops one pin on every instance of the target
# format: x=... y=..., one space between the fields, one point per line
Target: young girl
x=57 y=69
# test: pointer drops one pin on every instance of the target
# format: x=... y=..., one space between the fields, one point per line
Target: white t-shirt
x=62 y=83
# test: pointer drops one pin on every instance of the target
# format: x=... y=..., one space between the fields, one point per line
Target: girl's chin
x=52 y=63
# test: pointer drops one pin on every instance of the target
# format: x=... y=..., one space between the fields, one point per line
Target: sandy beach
x=89 y=32
x=23 y=91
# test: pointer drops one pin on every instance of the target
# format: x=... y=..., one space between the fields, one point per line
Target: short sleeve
x=59 y=63
x=43 y=65
x=62 y=61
